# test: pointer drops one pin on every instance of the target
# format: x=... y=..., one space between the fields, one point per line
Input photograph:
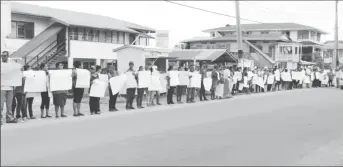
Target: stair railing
x=38 y=58
x=41 y=52
x=49 y=55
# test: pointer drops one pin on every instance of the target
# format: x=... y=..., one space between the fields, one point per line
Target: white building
x=41 y=34
x=285 y=44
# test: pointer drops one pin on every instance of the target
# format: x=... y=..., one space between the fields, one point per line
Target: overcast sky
x=184 y=23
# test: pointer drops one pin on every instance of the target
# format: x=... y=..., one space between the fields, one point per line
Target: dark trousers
x=202 y=91
x=18 y=105
x=140 y=93
x=29 y=102
x=179 y=91
x=130 y=96
x=170 y=95
x=94 y=104
x=330 y=83
x=269 y=87
x=190 y=94
x=45 y=100
x=113 y=100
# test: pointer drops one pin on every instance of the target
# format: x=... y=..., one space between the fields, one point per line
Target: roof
x=331 y=45
x=234 y=38
x=267 y=26
x=201 y=54
x=78 y=18
x=144 y=48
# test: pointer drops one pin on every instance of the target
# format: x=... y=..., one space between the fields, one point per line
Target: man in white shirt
x=7 y=95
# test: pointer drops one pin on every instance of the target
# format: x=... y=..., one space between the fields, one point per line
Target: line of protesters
x=225 y=82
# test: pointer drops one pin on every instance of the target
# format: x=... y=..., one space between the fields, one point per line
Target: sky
x=185 y=23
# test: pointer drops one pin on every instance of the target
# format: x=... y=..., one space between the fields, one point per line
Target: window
x=303 y=34
x=264 y=32
x=73 y=33
x=121 y=38
x=108 y=36
x=96 y=35
x=114 y=37
x=102 y=36
x=22 y=30
x=82 y=33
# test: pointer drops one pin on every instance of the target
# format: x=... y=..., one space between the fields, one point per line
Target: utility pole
x=239 y=34
x=335 y=52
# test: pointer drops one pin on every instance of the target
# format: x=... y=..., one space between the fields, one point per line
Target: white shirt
x=270 y=79
x=277 y=75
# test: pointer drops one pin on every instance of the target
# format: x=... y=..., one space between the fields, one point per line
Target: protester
x=246 y=87
x=45 y=103
x=338 y=74
x=180 y=89
x=203 y=73
x=7 y=95
x=113 y=98
x=270 y=80
x=94 y=102
x=19 y=100
x=59 y=97
x=29 y=96
x=170 y=88
x=77 y=92
x=227 y=81
x=154 y=89
x=215 y=79
x=331 y=76
x=140 y=91
x=130 y=86
x=277 y=79
x=190 y=88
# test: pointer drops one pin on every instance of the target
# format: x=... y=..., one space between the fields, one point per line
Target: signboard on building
x=162 y=38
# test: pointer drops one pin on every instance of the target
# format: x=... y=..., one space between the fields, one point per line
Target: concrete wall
x=92 y=50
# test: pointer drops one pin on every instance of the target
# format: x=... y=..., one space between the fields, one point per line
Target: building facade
x=48 y=35
x=284 y=44
x=328 y=56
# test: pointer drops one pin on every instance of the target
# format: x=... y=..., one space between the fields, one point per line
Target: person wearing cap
x=7 y=94
x=131 y=86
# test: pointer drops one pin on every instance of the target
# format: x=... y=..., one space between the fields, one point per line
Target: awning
x=184 y=54
x=30 y=46
x=307 y=63
x=203 y=55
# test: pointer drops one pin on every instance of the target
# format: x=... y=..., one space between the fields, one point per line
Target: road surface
x=300 y=127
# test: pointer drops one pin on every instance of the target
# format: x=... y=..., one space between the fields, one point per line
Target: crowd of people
x=225 y=83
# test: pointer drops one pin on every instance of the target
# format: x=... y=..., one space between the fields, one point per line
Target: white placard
x=117 y=83
x=174 y=78
x=207 y=83
x=260 y=82
x=164 y=83
x=11 y=74
x=60 y=80
x=98 y=88
x=131 y=81
x=184 y=78
x=144 y=79
x=36 y=83
x=103 y=77
x=83 y=78
x=220 y=90
x=195 y=81
x=155 y=83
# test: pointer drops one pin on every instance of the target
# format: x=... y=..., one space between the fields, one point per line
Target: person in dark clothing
x=131 y=87
x=170 y=88
x=45 y=104
x=77 y=92
x=113 y=98
x=59 y=97
x=215 y=79
x=140 y=92
x=94 y=102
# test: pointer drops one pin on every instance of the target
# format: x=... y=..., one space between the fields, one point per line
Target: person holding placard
x=215 y=79
x=180 y=89
x=155 y=86
x=45 y=103
x=203 y=73
x=270 y=81
x=113 y=98
x=59 y=97
x=19 y=101
x=170 y=87
x=140 y=91
x=7 y=94
x=77 y=92
x=277 y=78
x=29 y=95
x=190 y=89
x=94 y=102
x=331 y=76
x=130 y=86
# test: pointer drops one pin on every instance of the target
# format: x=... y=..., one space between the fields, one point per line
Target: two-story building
x=41 y=34
x=284 y=44
x=328 y=56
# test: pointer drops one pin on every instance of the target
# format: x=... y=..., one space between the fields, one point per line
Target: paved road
x=300 y=127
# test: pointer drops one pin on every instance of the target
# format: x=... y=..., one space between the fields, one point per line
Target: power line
x=217 y=13
x=221 y=14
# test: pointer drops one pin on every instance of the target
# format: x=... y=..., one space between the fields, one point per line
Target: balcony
x=287 y=58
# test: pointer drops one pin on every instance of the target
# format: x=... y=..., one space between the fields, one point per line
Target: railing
x=287 y=57
x=41 y=52
x=52 y=50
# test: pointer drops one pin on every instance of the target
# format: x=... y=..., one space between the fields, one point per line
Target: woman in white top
x=270 y=80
